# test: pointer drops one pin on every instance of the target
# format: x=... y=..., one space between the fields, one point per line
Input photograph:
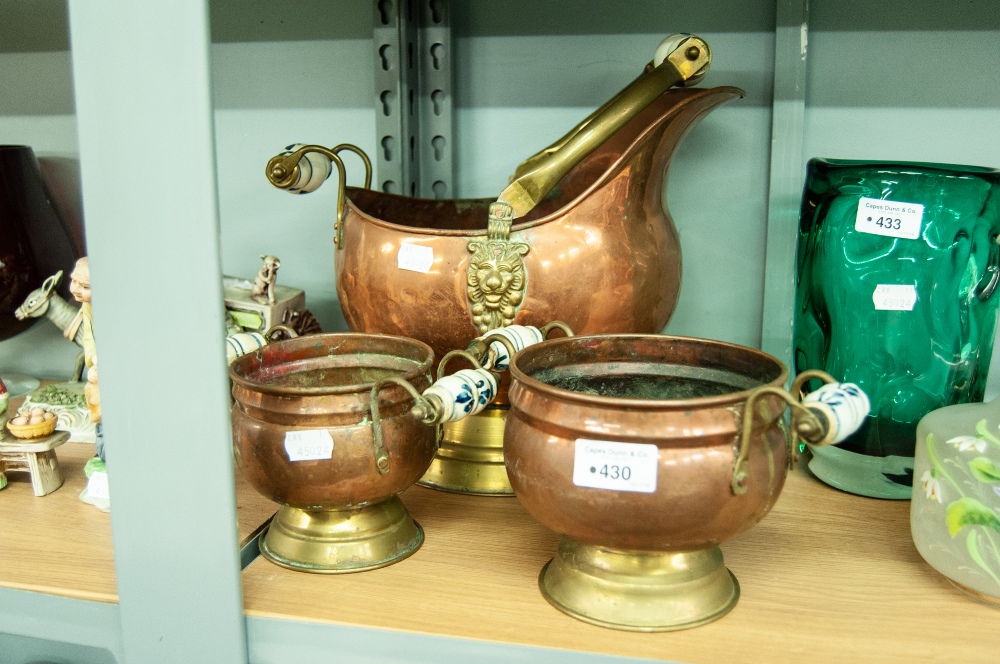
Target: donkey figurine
x=45 y=301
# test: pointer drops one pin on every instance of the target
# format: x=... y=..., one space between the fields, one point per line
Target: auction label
x=309 y=445
x=600 y=464
x=889 y=218
x=894 y=297
x=415 y=257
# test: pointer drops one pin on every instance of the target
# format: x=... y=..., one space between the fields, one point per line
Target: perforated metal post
x=412 y=40
x=436 y=128
x=395 y=41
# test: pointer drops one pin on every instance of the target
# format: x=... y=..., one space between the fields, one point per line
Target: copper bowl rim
x=418 y=370
x=690 y=96
x=518 y=376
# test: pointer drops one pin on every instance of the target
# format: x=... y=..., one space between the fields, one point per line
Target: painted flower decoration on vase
x=966 y=443
x=932 y=485
x=971 y=514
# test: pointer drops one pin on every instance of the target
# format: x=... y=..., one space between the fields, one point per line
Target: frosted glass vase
x=955 y=514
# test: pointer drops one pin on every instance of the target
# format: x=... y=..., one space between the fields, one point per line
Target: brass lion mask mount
x=496 y=272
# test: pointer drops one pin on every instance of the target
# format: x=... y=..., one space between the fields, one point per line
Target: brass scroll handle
x=303 y=168
x=280 y=332
x=381 y=453
x=687 y=61
x=826 y=416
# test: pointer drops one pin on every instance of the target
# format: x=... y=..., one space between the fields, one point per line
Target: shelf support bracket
x=413 y=97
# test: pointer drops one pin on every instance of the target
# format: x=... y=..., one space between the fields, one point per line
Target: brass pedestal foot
x=642 y=592
x=470 y=459
x=337 y=541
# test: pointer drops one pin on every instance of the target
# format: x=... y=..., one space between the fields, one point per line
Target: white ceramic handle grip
x=238 y=345
x=314 y=169
x=845 y=406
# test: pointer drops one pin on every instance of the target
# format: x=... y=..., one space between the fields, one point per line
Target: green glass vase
x=897 y=273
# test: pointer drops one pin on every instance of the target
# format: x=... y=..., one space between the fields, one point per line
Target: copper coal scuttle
x=643 y=451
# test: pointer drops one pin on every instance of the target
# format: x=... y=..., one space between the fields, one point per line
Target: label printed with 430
x=601 y=464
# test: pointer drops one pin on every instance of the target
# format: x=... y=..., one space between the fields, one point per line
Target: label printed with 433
x=877 y=216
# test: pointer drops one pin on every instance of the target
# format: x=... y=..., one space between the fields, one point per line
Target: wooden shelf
x=826 y=577
x=59 y=545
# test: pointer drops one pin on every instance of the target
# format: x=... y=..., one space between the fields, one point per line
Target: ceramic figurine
x=263 y=283
x=95 y=492
x=256 y=307
x=27 y=445
x=66 y=400
x=45 y=301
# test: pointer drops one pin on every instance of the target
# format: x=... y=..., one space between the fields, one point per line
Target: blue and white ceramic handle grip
x=449 y=398
x=845 y=407
x=465 y=392
x=825 y=416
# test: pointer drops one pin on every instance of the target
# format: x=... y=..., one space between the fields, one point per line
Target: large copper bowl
x=632 y=559
x=340 y=512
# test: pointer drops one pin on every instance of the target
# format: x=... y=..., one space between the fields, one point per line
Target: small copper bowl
x=642 y=552
x=302 y=433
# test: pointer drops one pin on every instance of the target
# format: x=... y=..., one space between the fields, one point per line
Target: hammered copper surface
x=693 y=506
x=604 y=254
x=323 y=382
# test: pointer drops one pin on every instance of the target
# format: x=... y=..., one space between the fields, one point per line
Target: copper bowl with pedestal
x=630 y=447
x=303 y=435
